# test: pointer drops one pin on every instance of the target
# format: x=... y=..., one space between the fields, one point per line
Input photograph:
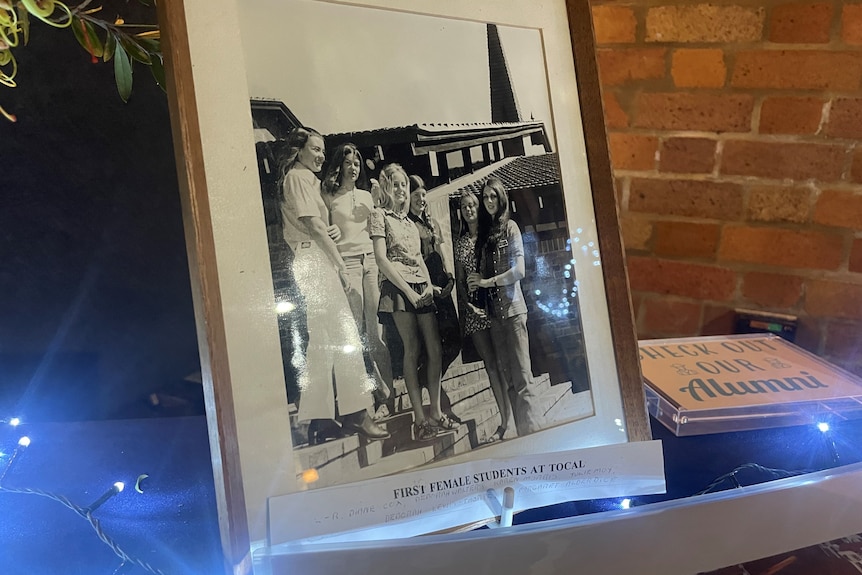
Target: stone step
x=467 y=393
x=457 y=393
x=482 y=423
x=541 y=383
x=359 y=458
x=465 y=397
x=549 y=399
x=396 y=462
x=449 y=381
x=565 y=405
x=446 y=444
x=338 y=458
x=476 y=374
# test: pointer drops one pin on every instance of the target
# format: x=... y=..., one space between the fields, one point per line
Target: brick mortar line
x=798 y=310
x=837 y=276
x=823 y=140
x=806 y=226
x=664 y=86
x=737 y=179
x=737 y=3
x=835 y=45
x=766 y=5
x=654 y=3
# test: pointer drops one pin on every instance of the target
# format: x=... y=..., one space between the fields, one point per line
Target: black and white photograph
x=422 y=256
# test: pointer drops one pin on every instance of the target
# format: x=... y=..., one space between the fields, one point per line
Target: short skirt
x=392 y=299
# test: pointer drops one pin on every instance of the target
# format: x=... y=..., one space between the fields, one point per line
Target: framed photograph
x=403 y=238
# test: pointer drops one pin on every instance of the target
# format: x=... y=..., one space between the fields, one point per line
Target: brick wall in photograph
x=734 y=133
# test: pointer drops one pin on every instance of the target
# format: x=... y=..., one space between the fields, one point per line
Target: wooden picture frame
x=234 y=299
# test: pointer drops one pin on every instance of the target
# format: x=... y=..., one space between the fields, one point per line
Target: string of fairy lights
x=728 y=480
x=761 y=473
x=85 y=512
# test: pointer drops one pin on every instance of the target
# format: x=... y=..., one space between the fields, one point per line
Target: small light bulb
x=625 y=503
x=823 y=426
x=310 y=475
x=115 y=488
x=349 y=348
x=14 y=422
x=24 y=441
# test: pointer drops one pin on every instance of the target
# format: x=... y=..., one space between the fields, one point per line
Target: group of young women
x=367 y=260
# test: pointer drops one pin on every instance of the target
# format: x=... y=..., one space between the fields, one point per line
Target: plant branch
x=82 y=6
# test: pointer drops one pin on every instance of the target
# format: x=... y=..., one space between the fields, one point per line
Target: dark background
x=95 y=301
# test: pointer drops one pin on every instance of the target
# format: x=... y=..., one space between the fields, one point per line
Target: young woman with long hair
x=474 y=319
x=350 y=205
x=501 y=269
x=448 y=324
x=332 y=380
x=407 y=295
x=432 y=240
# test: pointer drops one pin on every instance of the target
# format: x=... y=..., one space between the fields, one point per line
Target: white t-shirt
x=349 y=211
x=301 y=199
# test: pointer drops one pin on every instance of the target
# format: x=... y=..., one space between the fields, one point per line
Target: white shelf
x=682 y=537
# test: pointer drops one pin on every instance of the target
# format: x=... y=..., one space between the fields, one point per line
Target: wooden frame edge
x=614 y=272
x=215 y=368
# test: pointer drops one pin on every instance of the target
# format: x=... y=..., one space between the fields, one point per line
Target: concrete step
x=474 y=403
x=462 y=397
x=469 y=393
x=445 y=444
x=566 y=406
x=396 y=462
x=338 y=458
x=349 y=456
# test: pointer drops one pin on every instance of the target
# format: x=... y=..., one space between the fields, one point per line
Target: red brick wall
x=734 y=134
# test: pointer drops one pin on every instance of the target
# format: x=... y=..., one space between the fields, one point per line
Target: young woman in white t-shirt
x=332 y=381
x=349 y=205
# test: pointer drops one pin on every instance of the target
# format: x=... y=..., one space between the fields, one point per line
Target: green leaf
x=151 y=45
x=86 y=35
x=24 y=22
x=110 y=46
x=134 y=49
x=158 y=71
x=122 y=72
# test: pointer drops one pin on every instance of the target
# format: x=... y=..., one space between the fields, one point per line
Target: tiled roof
x=410 y=133
x=438 y=128
x=521 y=173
